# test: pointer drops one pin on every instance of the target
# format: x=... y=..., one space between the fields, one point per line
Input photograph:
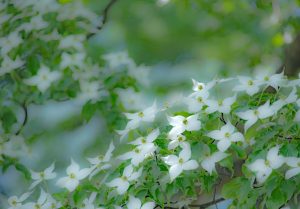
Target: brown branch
x=105 y=16
x=25 y=118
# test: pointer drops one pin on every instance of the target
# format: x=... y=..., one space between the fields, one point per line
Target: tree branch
x=105 y=16
x=25 y=118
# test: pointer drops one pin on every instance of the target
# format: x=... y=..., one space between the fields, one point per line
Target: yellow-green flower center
x=266 y=78
x=143 y=140
x=100 y=157
x=256 y=112
x=185 y=121
x=200 y=99
x=220 y=102
x=180 y=138
x=298 y=164
x=227 y=135
x=72 y=176
x=14 y=202
x=124 y=178
x=200 y=87
x=136 y=150
x=141 y=114
x=267 y=163
x=42 y=174
x=250 y=82
x=180 y=160
x=37 y=206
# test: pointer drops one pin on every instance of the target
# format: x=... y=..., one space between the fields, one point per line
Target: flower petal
x=175 y=171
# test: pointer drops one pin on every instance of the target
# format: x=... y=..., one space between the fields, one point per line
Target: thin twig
x=25 y=118
x=222 y=118
x=105 y=16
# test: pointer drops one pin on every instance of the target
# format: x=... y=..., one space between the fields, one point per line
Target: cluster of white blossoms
x=233 y=128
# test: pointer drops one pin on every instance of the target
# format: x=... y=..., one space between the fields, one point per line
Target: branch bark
x=104 y=15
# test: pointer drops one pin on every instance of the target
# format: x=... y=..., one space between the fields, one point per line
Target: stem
x=25 y=118
x=105 y=16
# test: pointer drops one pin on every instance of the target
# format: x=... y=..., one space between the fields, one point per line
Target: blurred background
x=176 y=40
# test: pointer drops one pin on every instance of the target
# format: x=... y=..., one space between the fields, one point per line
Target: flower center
x=37 y=206
x=220 y=102
x=144 y=141
x=141 y=114
x=298 y=164
x=266 y=78
x=100 y=157
x=44 y=77
x=53 y=205
x=267 y=163
x=72 y=176
x=136 y=150
x=250 y=83
x=14 y=202
x=227 y=135
x=124 y=178
x=42 y=174
x=200 y=99
x=180 y=160
x=200 y=87
x=256 y=112
x=185 y=121
x=180 y=138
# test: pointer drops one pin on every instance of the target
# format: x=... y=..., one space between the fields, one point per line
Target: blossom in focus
x=122 y=183
x=74 y=175
x=181 y=163
x=16 y=202
x=135 y=203
x=181 y=124
x=248 y=85
x=264 y=167
x=225 y=136
x=222 y=106
x=209 y=162
x=294 y=163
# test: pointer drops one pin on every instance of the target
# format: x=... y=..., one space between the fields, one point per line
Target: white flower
x=135 y=119
x=16 y=202
x=225 y=136
x=196 y=101
x=9 y=65
x=264 y=167
x=118 y=59
x=247 y=84
x=209 y=162
x=176 y=140
x=181 y=124
x=72 y=41
x=181 y=163
x=38 y=177
x=135 y=203
x=145 y=148
x=275 y=80
x=75 y=174
x=202 y=87
x=15 y=147
x=251 y=116
x=36 y=23
x=41 y=202
x=43 y=79
x=87 y=203
x=101 y=162
x=122 y=183
x=291 y=98
x=140 y=73
x=52 y=203
x=294 y=163
x=223 y=106
x=131 y=99
x=90 y=91
x=9 y=42
x=71 y=60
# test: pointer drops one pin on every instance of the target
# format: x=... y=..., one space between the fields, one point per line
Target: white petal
x=108 y=154
x=176 y=130
x=247 y=115
x=292 y=161
x=128 y=171
x=228 y=128
x=34 y=184
x=275 y=160
x=185 y=153
x=208 y=165
x=193 y=123
x=190 y=165
x=73 y=168
x=250 y=123
x=170 y=159
x=122 y=187
x=258 y=166
x=115 y=182
x=83 y=173
x=153 y=135
x=216 y=134
x=175 y=120
x=135 y=175
x=134 y=203
x=292 y=172
x=175 y=171
x=173 y=144
x=148 y=205
x=262 y=176
x=265 y=110
x=236 y=137
x=223 y=144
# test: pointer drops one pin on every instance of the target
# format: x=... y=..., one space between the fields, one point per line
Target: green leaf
x=277 y=199
x=8 y=118
x=88 y=111
x=23 y=170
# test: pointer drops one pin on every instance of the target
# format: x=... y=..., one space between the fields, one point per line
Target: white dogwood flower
x=294 y=163
x=15 y=202
x=264 y=167
x=139 y=154
x=38 y=177
x=291 y=98
x=88 y=203
x=148 y=139
x=248 y=85
x=72 y=60
x=251 y=116
x=225 y=136
x=181 y=163
x=9 y=42
x=196 y=101
x=118 y=59
x=209 y=162
x=75 y=174
x=72 y=41
x=135 y=119
x=43 y=79
x=101 y=162
x=9 y=65
x=176 y=140
x=41 y=203
x=90 y=91
x=223 y=105
x=181 y=124
x=135 y=203
x=275 y=80
x=122 y=183
x=202 y=87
